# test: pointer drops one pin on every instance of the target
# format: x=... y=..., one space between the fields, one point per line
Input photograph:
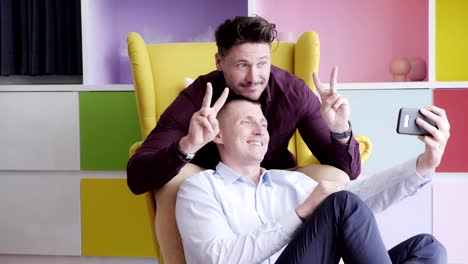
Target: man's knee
x=434 y=250
x=348 y=202
x=346 y=197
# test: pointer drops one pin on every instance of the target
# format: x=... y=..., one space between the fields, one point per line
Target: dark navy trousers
x=343 y=226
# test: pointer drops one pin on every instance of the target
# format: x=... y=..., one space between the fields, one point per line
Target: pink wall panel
x=450 y=216
x=454 y=102
x=361 y=37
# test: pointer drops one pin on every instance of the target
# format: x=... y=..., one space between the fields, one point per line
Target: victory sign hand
x=203 y=125
x=335 y=108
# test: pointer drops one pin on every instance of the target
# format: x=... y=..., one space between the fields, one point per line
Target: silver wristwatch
x=185 y=156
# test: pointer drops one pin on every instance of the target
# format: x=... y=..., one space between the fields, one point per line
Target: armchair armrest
x=365 y=147
x=133 y=149
x=151 y=205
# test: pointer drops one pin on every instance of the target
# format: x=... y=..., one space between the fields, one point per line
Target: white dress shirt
x=224 y=217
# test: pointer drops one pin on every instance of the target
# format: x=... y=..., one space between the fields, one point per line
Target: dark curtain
x=40 y=37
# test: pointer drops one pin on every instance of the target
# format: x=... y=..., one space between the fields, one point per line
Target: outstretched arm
x=385 y=188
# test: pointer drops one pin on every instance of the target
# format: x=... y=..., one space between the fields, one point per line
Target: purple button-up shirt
x=287 y=103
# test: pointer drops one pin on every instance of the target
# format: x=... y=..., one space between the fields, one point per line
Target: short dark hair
x=231 y=99
x=242 y=29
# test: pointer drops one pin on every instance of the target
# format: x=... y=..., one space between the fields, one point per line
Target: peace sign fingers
x=321 y=88
x=208 y=94
x=221 y=100
x=333 y=78
x=206 y=104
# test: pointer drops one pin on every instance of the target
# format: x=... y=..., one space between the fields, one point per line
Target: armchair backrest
x=159 y=70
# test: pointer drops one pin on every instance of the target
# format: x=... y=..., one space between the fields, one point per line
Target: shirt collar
x=229 y=176
x=266 y=177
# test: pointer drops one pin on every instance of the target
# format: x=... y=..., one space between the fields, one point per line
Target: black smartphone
x=407 y=122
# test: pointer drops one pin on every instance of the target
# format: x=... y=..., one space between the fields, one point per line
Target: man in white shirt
x=242 y=213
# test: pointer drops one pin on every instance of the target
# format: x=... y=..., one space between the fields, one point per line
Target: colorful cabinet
x=362 y=40
x=60 y=147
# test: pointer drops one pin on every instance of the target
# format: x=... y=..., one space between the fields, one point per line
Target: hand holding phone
x=407 y=122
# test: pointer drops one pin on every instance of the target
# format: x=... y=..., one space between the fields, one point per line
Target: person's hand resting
x=434 y=144
x=316 y=197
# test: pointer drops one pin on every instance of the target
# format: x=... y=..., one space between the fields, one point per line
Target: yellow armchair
x=159 y=71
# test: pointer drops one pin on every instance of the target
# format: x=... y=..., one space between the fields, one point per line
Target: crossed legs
x=343 y=226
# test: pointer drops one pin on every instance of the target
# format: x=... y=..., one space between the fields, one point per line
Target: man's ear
x=218 y=139
x=218 y=61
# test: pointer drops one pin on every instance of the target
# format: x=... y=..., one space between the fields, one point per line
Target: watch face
x=183 y=155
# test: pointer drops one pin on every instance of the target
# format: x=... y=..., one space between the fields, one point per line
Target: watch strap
x=343 y=135
x=184 y=156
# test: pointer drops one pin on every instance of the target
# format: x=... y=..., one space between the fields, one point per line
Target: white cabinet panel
x=407 y=218
x=39 y=131
x=450 y=214
x=40 y=213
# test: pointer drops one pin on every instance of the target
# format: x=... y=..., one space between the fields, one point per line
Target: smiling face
x=243 y=136
x=246 y=68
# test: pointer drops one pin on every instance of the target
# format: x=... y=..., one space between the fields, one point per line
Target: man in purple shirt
x=180 y=145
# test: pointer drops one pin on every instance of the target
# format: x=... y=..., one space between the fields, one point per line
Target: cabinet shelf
x=401 y=85
x=341 y=86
